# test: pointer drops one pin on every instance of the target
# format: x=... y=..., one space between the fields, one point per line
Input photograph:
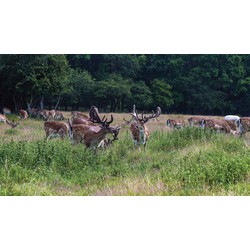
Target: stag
x=56 y=129
x=4 y=119
x=23 y=114
x=91 y=135
x=139 y=131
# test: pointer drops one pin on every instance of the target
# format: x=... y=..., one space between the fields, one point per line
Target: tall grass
x=188 y=161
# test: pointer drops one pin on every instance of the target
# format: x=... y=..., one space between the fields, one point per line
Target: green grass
x=188 y=161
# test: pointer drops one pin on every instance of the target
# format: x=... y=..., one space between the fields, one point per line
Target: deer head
x=95 y=118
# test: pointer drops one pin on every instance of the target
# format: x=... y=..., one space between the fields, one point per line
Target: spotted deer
x=76 y=114
x=138 y=129
x=59 y=116
x=33 y=112
x=91 y=135
x=217 y=125
x=4 y=119
x=195 y=120
x=23 y=114
x=48 y=115
x=175 y=123
x=55 y=129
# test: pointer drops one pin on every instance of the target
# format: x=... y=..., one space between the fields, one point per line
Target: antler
x=95 y=117
x=154 y=115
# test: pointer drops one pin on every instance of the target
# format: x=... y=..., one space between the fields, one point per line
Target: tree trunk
x=42 y=103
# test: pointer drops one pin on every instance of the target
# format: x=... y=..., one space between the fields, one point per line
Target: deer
x=243 y=124
x=76 y=114
x=175 y=123
x=4 y=119
x=217 y=125
x=33 y=112
x=80 y=120
x=56 y=129
x=23 y=114
x=59 y=116
x=138 y=129
x=91 y=135
x=195 y=120
x=48 y=115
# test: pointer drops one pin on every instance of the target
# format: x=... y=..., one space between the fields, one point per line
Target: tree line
x=189 y=84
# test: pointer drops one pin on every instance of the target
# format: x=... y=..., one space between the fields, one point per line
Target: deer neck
x=94 y=138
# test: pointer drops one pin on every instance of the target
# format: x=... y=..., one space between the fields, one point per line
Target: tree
x=82 y=85
x=141 y=96
x=113 y=91
x=28 y=78
x=161 y=92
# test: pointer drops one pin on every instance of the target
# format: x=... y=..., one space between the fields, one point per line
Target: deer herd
x=92 y=130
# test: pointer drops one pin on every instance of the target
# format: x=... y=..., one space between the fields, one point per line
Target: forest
x=208 y=84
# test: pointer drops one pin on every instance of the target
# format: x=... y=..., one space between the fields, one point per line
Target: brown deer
x=76 y=114
x=91 y=136
x=175 y=123
x=217 y=125
x=139 y=131
x=56 y=129
x=195 y=120
x=33 y=112
x=4 y=119
x=48 y=115
x=59 y=116
x=23 y=114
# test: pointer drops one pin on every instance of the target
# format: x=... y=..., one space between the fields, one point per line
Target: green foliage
x=189 y=161
x=193 y=84
x=11 y=131
x=162 y=93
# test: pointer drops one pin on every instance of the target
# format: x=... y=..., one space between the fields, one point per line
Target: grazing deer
x=91 y=136
x=6 y=111
x=4 y=119
x=175 y=123
x=139 y=131
x=23 y=114
x=243 y=124
x=217 y=125
x=56 y=129
x=195 y=120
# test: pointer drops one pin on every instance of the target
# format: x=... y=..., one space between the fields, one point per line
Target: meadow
x=188 y=161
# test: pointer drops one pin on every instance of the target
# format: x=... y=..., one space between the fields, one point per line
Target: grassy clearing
x=190 y=161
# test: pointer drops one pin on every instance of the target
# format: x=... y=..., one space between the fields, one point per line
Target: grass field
x=187 y=161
